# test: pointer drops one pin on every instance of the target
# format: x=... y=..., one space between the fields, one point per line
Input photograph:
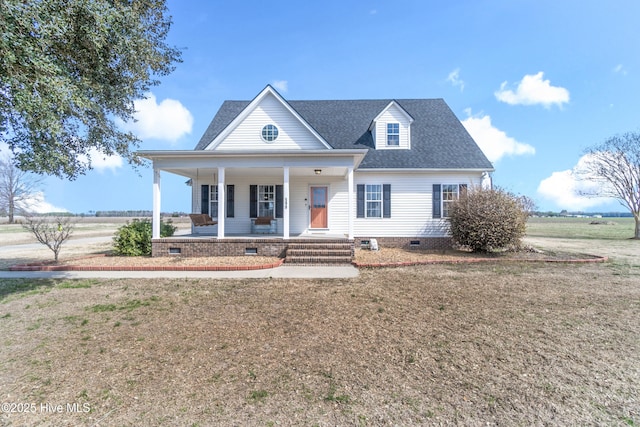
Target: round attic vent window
x=269 y=133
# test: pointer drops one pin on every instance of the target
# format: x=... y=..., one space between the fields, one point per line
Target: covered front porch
x=309 y=194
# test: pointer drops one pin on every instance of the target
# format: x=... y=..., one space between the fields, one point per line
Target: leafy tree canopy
x=68 y=69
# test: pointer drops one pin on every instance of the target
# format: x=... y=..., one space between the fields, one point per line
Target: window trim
x=438 y=199
x=263 y=191
x=254 y=200
x=393 y=133
x=378 y=201
x=362 y=201
x=213 y=191
x=270 y=133
x=445 y=202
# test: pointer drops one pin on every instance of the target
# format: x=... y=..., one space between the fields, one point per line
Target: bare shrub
x=486 y=220
x=52 y=233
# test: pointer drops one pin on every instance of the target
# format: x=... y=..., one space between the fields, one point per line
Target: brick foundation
x=406 y=242
x=203 y=247
x=208 y=247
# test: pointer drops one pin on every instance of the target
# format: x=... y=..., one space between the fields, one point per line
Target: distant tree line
x=580 y=213
x=129 y=213
x=133 y=213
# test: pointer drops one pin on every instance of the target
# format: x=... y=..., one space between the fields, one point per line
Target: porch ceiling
x=192 y=164
x=194 y=173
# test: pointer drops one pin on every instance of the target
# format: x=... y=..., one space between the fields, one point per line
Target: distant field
x=14 y=234
x=581 y=228
x=610 y=238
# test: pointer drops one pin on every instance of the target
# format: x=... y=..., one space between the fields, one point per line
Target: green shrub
x=486 y=220
x=134 y=238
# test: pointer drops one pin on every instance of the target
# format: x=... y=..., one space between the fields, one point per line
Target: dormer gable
x=268 y=122
x=391 y=129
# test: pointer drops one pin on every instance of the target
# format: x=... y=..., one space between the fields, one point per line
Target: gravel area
x=121 y=261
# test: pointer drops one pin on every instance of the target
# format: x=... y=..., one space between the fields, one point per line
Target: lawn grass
x=499 y=344
x=581 y=228
x=504 y=344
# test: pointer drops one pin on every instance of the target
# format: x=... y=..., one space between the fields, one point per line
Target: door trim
x=326 y=207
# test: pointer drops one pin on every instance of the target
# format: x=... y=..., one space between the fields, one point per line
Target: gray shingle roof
x=438 y=139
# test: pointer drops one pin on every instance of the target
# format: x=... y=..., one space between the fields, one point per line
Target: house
x=349 y=170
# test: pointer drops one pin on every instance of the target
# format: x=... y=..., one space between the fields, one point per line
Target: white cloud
x=37 y=204
x=533 y=90
x=494 y=142
x=620 y=69
x=566 y=190
x=280 y=85
x=454 y=79
x=168 y=121
x=102 y=162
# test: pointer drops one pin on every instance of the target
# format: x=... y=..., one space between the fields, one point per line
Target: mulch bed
x=385 y=257
x=394 y=257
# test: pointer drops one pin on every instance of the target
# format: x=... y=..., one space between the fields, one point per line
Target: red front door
x=319 y=217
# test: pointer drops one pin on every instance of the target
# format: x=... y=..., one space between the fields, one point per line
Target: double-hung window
x=266 y=200
x=393 y=134
x=449 y=195
x=443 y=197
x=213 y=201
x=373 y=200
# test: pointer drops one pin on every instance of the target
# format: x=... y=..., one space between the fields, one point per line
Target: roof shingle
x=438 y=139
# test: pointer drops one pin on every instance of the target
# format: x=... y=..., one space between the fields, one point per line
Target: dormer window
x=393 y=134
x=391 y=129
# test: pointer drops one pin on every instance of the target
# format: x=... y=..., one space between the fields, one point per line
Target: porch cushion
x=264 y=225
x=263 y=220
x=199 y=220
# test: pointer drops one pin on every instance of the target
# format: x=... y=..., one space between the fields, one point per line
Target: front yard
x=523 y=344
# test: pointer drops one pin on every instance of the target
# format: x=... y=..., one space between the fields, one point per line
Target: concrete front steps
x=320 y=252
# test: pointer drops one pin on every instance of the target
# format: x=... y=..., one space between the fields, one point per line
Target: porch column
x=285 y=213
x=222 y=200
x=350 y=201
x=155 y=232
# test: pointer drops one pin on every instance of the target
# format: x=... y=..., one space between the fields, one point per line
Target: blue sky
x=534 y=82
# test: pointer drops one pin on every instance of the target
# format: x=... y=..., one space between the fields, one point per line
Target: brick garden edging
x=32 y=267
x=595 y=259
x=40 y=267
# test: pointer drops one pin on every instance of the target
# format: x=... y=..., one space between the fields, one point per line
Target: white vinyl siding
x=292 y=134
x=298 y=199
x=411 y=204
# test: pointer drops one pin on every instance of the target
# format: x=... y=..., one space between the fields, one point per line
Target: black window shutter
x=386 y=200
x=279 y=201
x=253 y=201
x=436 y=197
x=230 y=201
x=360 y=198
x=204 y=201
